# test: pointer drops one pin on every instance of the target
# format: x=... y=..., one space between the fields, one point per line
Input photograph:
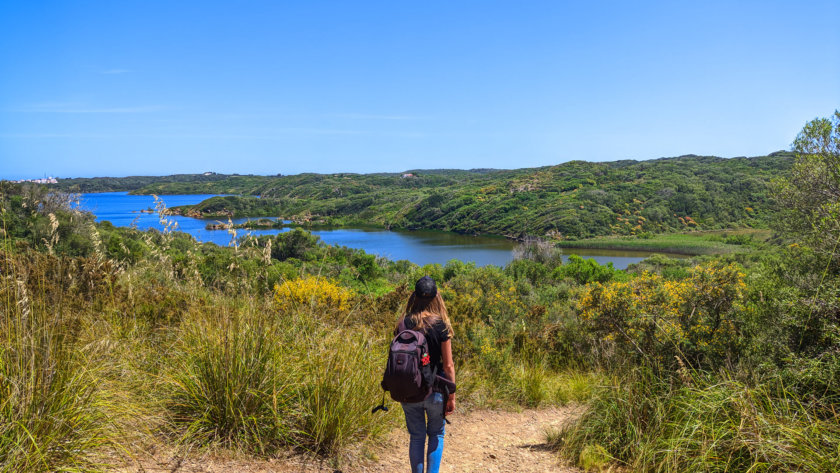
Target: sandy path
x=485 y=441
x=478 y=441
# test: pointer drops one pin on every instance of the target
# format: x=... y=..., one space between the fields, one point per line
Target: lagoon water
x=421 y=247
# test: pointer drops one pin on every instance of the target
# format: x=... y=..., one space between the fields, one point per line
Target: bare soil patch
x=477 y=441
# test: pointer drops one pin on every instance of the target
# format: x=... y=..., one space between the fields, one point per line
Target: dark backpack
x=409 y=374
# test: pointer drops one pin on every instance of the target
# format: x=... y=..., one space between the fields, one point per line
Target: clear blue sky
x=144 y=87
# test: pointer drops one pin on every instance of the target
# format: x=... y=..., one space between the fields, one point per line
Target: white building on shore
x=45 y=180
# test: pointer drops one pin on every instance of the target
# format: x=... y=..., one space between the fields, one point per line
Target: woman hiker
x=425 y=312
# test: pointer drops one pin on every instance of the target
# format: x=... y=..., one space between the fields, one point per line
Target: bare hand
x=450 y=405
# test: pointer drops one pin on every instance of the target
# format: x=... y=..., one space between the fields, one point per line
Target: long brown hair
x=424 y=312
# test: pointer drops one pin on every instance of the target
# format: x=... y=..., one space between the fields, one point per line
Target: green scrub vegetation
x=112 y=337
x=274 y=344
x=568 y=201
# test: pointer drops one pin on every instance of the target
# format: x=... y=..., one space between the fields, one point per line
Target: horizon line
x=690 y=155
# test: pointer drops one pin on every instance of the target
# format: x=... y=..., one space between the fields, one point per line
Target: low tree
x=810 y=196
x=294 y=244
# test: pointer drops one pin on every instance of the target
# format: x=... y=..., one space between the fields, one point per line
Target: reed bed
x=682 y=244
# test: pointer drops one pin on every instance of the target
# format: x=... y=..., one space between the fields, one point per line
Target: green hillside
x=133 y=183
x=569 y=201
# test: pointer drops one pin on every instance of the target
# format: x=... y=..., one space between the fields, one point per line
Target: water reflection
x=420 y=247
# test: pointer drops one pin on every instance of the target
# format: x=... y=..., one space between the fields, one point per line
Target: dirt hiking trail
x=477 y=441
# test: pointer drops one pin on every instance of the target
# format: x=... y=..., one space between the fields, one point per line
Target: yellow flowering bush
x=312 y=292
x=488 y=297
x=694 y=319
x=487 y=309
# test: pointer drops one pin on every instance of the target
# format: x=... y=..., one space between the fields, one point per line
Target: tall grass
x=52 y=413
x=497 y=377
x=255 y=379
x=341 y=371
x=230 y=381
x=706 y=425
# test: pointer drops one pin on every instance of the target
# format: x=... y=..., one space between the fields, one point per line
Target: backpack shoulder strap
x=401 y=326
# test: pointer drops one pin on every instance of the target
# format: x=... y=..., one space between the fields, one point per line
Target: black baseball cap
x=425 y=287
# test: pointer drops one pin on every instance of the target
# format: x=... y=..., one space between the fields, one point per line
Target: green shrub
x=585 y=271
x=297 y=243
x=523 y=269
x=456 y=267
x=656 y=321
x=231 y=382
x=793 y=329
x=435 y=271
x=668 y=268
x=739 y=239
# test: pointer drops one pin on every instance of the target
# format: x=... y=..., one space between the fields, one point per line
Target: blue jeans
x=416 y=414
